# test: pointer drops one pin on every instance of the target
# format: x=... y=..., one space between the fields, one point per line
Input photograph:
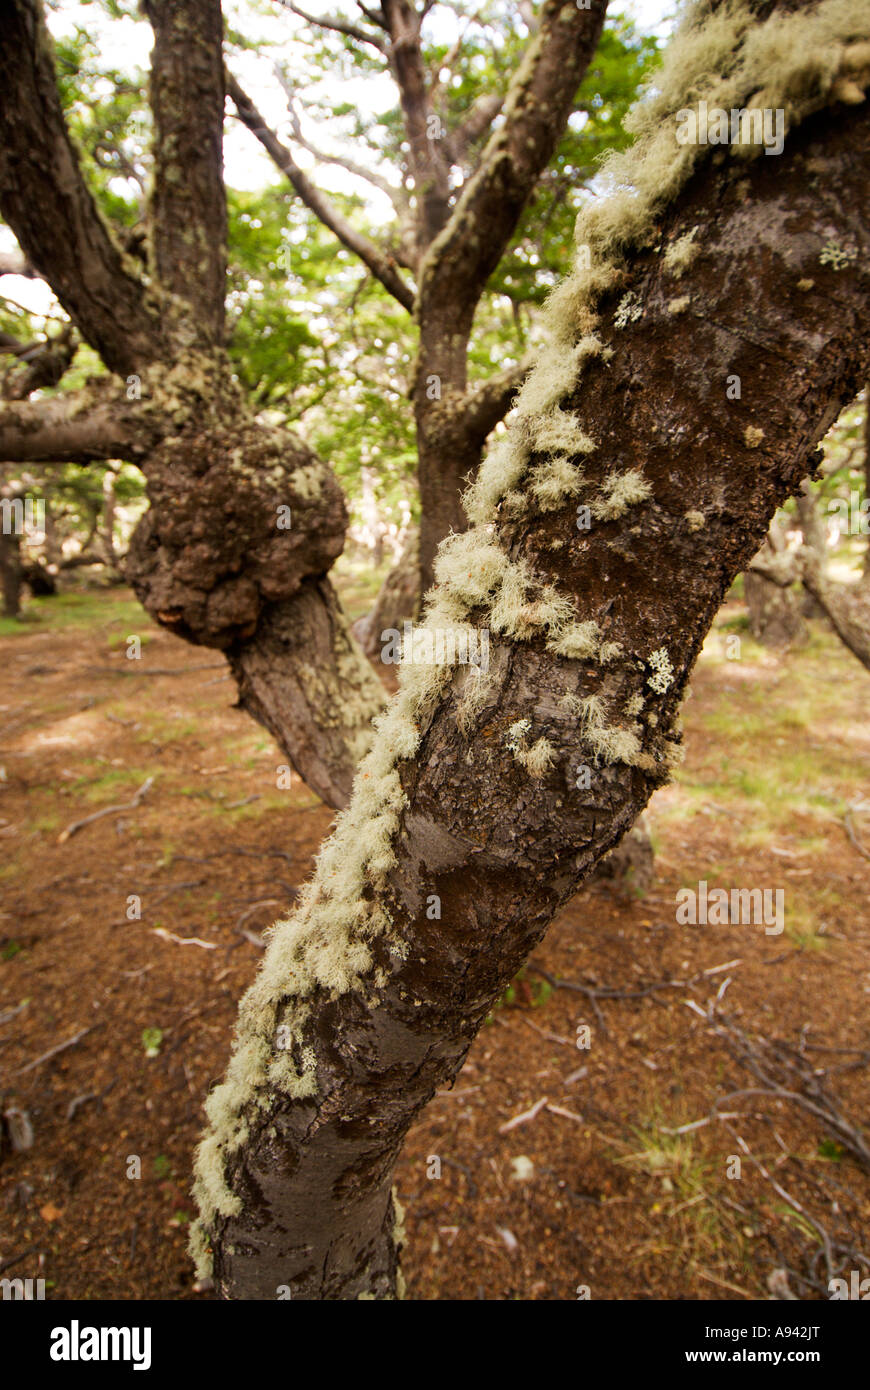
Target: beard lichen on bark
x=798 y=63
x=343 y=936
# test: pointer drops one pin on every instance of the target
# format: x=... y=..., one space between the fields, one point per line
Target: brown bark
x=10 y=573
x=235 y=557
x=502 y=850
x=866 y=573
x=775 y=616
x=188 y=218
x=397 y=603
x=47 y=204
x=304 y=681
x=428 y=162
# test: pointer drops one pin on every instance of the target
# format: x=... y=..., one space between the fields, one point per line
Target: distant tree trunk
x=397 y=603
x=108 y=520
x=629 y=868
x=10 y=573
x=40 y=581
x=775 y=617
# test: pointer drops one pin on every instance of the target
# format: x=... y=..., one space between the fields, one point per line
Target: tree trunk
x=775 y=616
x=368 y=999
x=866 y=570
x=10 y=573
x=397 y=603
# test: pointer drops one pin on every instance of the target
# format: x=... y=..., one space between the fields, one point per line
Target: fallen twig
x=184 y=940
x=525 y=1118
x=106 y=811
x=853 y=834
x=61 y=1047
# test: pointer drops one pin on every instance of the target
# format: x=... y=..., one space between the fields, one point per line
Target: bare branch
x=340 y=26
x=382 y=266
x=397 y=196
x=60 y=430
x=479 y=118
x=428 y=160
x=489 y=401
x=538 y=104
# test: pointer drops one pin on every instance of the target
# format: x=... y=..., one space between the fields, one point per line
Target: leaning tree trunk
x=466 y=831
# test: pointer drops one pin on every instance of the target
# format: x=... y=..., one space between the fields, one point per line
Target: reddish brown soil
x=607 y=1199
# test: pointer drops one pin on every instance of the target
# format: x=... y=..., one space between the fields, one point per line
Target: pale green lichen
x=681 y=253
x=555 y=481
x=679 y=305
x=538 y=758
x=662 y=671
x=796 y=62
x=752 y=436
x=307 y=482
x=628 y=310
x=619 y=491
x=838 y=257
x=695 y=521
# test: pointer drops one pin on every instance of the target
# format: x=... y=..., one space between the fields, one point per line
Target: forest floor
x=616 y=1179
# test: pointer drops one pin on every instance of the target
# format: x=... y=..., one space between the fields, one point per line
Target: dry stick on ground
x=174 y=888
x=774 y=1064
x=61 y=1047
x=106 y=811
x=594 y=993
x=853 y=834
x=184 y=940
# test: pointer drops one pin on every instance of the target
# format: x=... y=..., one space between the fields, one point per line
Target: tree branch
x=46 y=202
x=340 y=26
x=74 y=429
x=380 y=1001
x=539 y=101
x=188 y=204
x=382 y=266
x=476 y=123
x=46 y=363
x=489 y=401
x=428 y=161
x=397 y=196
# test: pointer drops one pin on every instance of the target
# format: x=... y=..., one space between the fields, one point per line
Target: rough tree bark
x=308 y=1203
